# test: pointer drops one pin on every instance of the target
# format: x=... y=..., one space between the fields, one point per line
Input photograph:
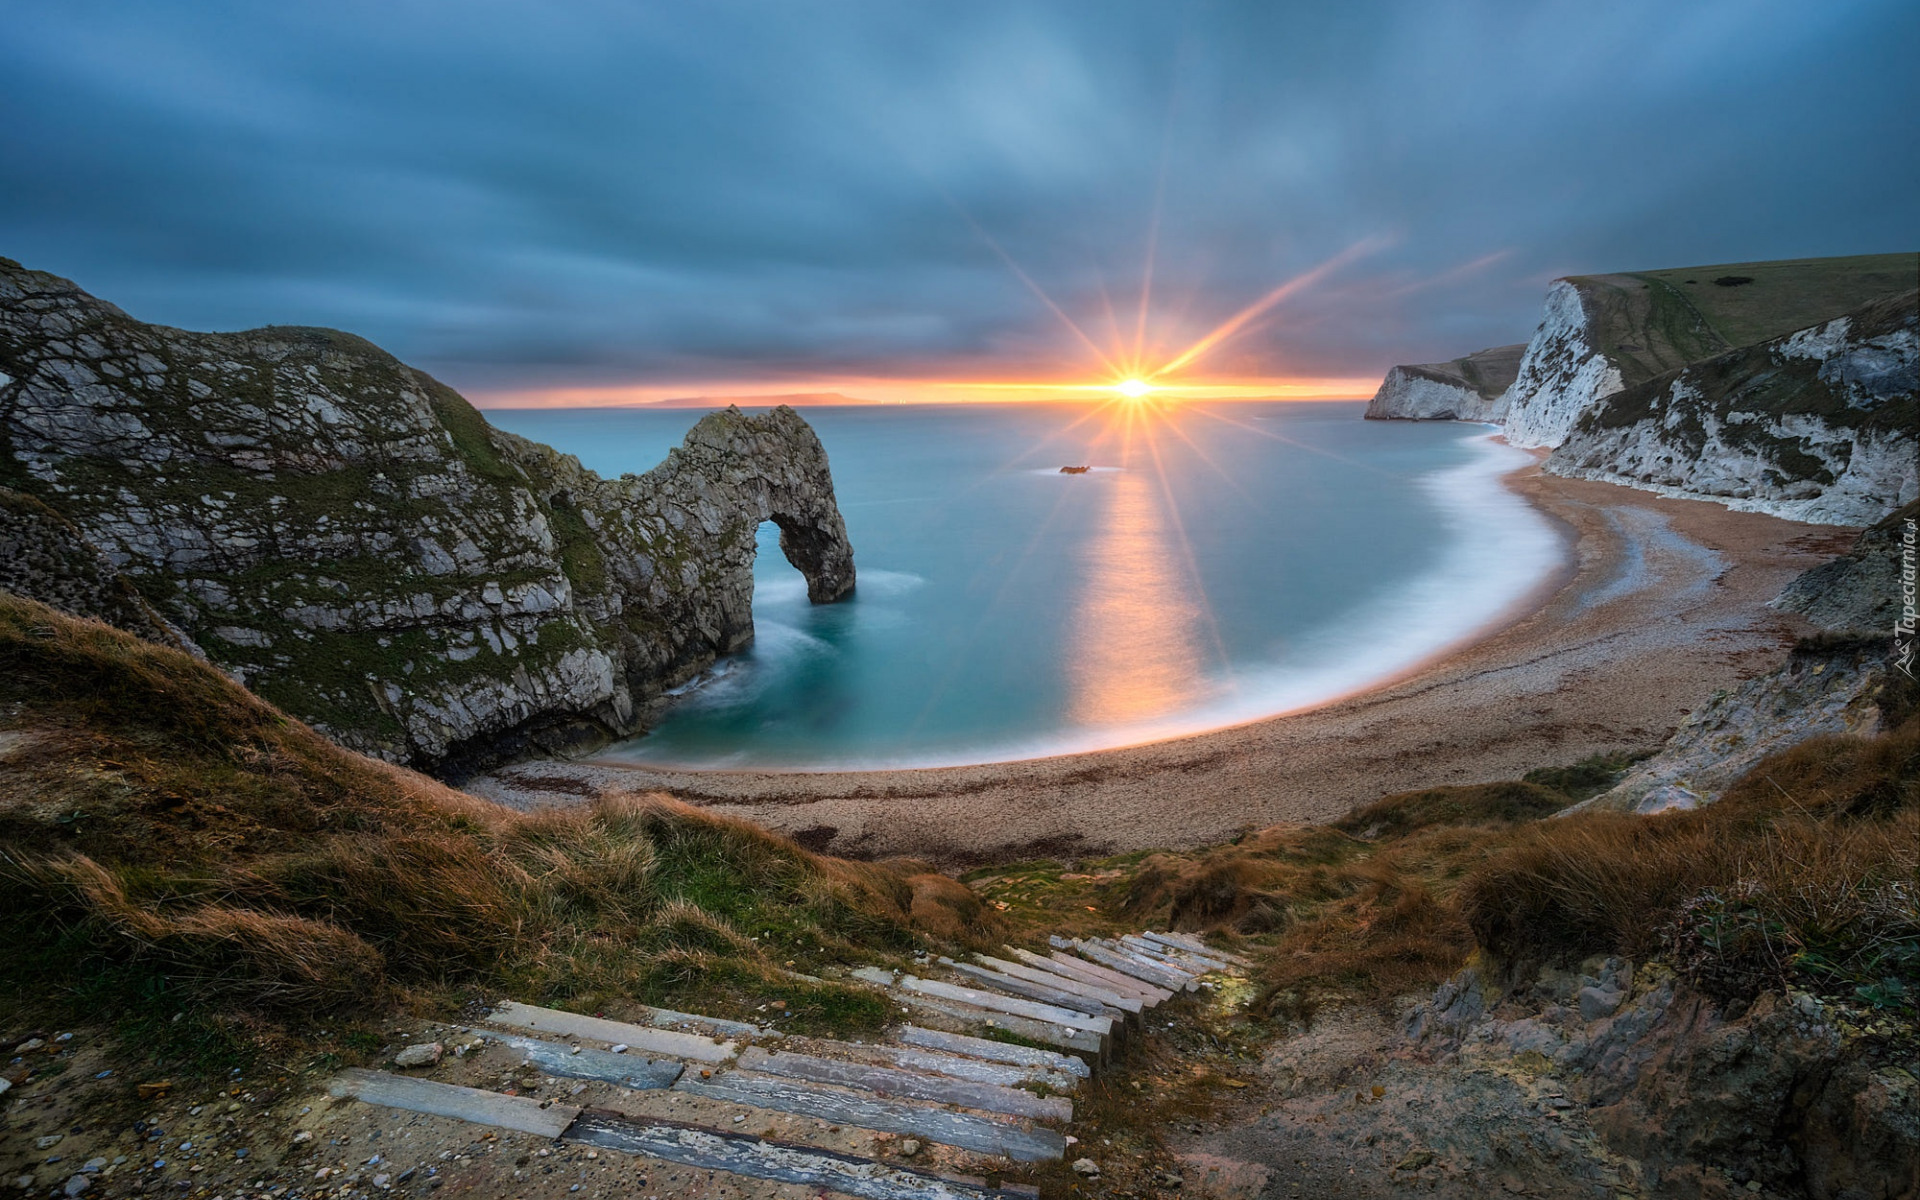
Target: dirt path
x=1665 y=601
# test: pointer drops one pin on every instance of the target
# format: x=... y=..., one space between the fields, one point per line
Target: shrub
x=1807 y=871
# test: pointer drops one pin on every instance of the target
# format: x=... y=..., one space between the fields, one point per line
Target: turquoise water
x=1219 y=564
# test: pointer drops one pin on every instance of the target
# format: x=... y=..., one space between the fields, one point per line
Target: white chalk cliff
x=1819 y=425
x=1562 y=373
x=1465 y=389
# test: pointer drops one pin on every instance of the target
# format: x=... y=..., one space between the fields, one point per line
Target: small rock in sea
x=23 y=1182
x=305 y=1135
x=77 y=1184
x=619 y=1048
x=94 y=1165
x=1167 y=1179
x=381 y=1179
x=909 y=1147
x=1087 y=1167
x=426 y=1054
x=48 y=1142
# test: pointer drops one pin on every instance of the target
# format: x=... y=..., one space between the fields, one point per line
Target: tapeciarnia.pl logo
x=1903 y=625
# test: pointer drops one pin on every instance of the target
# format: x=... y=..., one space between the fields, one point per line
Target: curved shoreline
x=1500 y=554
x=1664 y=601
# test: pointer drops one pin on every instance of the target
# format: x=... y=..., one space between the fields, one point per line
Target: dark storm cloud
x=528 y=193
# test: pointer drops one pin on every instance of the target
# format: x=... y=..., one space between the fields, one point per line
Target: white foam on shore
x=1499 y=550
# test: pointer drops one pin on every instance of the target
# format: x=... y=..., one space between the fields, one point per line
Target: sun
x=1133 y=389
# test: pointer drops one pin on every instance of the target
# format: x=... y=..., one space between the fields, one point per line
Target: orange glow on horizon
x=1129 y=372
x=881 y=391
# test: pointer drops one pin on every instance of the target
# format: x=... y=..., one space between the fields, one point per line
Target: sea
x=1218 y=563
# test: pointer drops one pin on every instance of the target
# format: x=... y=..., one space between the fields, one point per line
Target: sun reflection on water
x=1137 y=622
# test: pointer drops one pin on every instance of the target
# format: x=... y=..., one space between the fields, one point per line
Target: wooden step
x=1031 y=1009
x=521 y=1113
x=1145 y=952
x=1179 y=959
x=671 y=1141
x=968 y=1131
x=664 y=1042
x=1003 y=1052
x=1080 y=1041
x=759 y=1158
x=629 y=1071
x=1079 y=968
x=1153 y=957
x=975 y=976
x=1195 y=946
x=667 y=1018
x=910 y=1058
x=1128 y=965
x=912 y=1085
x=1099 y=976
x=1129 y=1002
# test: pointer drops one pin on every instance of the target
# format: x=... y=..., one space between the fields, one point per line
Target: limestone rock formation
x=45 y=558
x=1465 y=389
x=1858 y=592
x=352 y=540
x=1787 y=1093
x=1820 y=425
x=1565 y=369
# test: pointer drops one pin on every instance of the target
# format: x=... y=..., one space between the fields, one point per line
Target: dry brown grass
x=1359 y=909
x=161 y=825
x=1807 y=871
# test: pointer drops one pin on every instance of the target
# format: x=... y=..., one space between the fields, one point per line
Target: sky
x=907 y=199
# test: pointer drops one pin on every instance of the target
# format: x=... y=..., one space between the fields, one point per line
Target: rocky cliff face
x=1612 y=349
x=1819 y=425
x=351 y=539
x=1563 y=372
x=1465 y=389
x=1788 y=1095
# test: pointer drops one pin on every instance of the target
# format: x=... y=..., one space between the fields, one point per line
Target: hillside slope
x=167 y=837
x=352 y=539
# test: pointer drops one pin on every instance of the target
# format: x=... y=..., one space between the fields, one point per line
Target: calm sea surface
x=1219 y=564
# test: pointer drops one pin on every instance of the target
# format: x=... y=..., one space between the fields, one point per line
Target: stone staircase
x=943 y=1078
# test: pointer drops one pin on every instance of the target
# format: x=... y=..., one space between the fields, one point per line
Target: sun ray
x=1038 y=291
x=1234 y=324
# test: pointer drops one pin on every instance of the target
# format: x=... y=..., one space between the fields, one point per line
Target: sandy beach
x=1661 y=603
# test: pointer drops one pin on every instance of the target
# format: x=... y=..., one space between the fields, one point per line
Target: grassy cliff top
x=1652 y=322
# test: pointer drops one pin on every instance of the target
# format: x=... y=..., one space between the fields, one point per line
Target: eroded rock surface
x=1602 y=1080
x=352 y=540
x=1821 y=425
